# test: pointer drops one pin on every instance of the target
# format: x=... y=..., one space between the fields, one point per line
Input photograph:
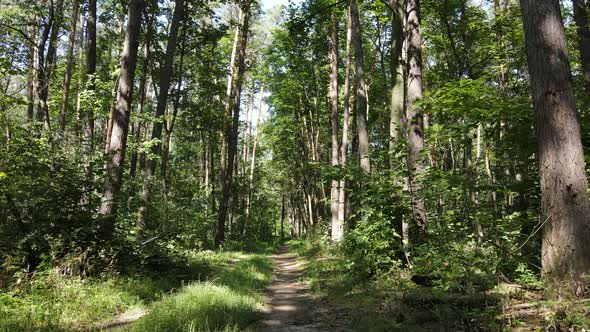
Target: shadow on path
x=290 y=306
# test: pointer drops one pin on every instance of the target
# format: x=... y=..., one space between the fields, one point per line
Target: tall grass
x=229 y=301
x=223 y=292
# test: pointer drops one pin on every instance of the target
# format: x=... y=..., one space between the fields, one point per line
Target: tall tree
x=46 y=60
x=337 y=228
x=361 y=90
x=88 y=141
x=397 y=73
x=116 y=152
x=233 y=134
x=396 y=111
x=165 y=78
x=565 y=205
x=69 y=66
x=345 y=122
x=414 y=114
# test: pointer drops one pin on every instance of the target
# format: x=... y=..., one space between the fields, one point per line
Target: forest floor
x=291 y=306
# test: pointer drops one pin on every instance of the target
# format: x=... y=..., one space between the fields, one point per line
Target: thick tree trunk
x=361 y=90
x=116 y=155
x=165 y=78
x=565 y=205
x=109 y=129
x=583 y=31
x=233 y=134
x=69 y=67
x=414 y=114
x=337 y=228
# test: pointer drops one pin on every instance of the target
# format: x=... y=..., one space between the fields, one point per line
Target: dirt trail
x=290 y=306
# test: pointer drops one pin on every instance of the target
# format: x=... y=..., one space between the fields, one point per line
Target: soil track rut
x=290 y=306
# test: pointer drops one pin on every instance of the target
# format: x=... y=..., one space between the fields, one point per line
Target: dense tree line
x=441 y=136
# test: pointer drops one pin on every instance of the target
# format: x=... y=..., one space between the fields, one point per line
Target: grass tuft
x=201 y=307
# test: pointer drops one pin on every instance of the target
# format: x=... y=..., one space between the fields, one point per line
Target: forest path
x=290 y=306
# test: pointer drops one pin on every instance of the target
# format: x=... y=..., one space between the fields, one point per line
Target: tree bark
x=337 y=228
x=342 y=197
x=227 y=109
x=88 y=140
x=253 y=158
x=165 y=78
x=397 y=74
x=31 y=77
x=116 y=155
x=414 y=114
x=565 y=205
x=583 y=31
x=397 y=92
x=233 y=134
x=361 y=90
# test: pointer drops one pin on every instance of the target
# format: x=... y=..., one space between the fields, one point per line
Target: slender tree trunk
x=565 y=205
x=80 y=83
x=581 y=19
x=88 y=141
x=69 y=67
x=169 y=125
x=283 y=216
x=47 y=62
x=31 y=78
x=397 y=92
x=361 y=90
x=414 y=114
x=253 y=158
x=165 y=77
x=397 y=74
x=116 y=155
x=144 y=86
x=233 y=134
x=337 y=228
x=342 y=197
x=227 y=110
